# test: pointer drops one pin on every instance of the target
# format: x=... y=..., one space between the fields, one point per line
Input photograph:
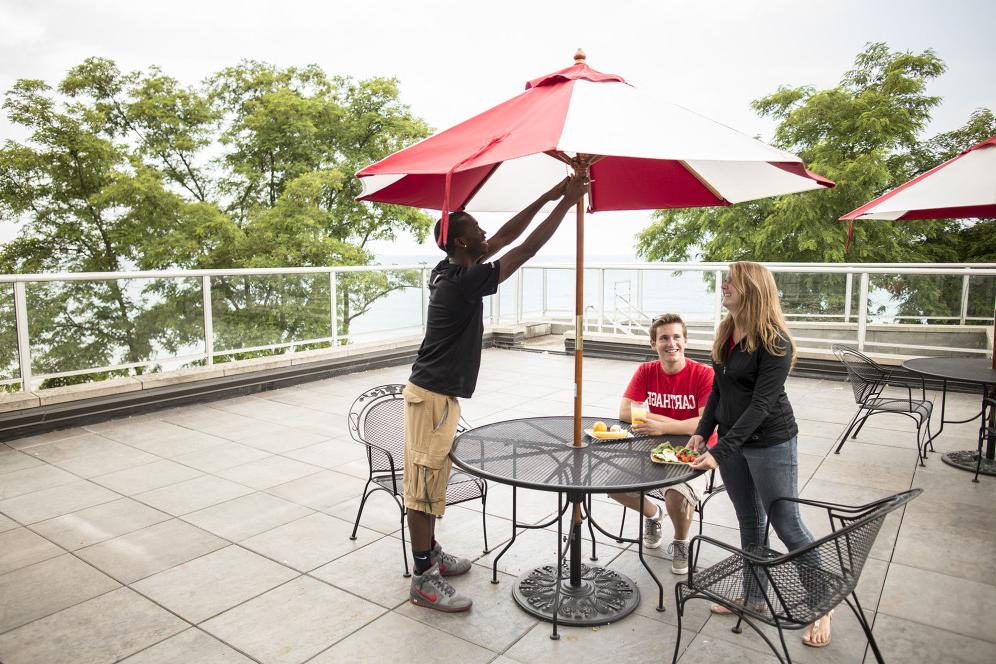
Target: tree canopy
x=251 y=168
x=865 y=134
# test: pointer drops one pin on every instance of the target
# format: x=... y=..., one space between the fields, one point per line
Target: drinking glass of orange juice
x=638 y=412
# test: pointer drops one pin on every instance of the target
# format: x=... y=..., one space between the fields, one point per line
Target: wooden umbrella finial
x=579 y=57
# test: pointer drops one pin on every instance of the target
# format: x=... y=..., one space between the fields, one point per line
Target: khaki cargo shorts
x=692 y=491
x=430 y=425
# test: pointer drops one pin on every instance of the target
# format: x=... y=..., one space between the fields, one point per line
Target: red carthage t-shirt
x=679 y=396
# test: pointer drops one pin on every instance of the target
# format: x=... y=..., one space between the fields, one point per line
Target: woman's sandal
x=827 y=620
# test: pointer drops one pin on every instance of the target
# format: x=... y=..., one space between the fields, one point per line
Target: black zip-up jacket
x=748 y=401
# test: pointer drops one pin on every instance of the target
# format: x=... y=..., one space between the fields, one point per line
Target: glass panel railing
x=10 y=373
x=374 y=306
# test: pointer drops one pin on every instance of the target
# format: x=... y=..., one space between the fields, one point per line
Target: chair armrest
x=385 y=452
x=695 y=544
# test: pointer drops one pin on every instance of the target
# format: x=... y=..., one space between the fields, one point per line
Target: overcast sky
x=457 y=58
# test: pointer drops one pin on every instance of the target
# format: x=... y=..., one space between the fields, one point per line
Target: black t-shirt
x=450 y=356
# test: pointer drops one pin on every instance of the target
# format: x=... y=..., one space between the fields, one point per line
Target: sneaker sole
x=449 y=573
x=652 y=545
x=679 y=570
x=427 y=605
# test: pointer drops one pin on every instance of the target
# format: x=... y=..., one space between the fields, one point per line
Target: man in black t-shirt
x=446 y=368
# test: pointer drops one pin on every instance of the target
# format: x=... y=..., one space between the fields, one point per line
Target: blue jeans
x=754 y=477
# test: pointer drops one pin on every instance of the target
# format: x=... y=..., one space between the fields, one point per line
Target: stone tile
x=495 y=622
x=7 y=524
x=373 y=572
x=379 y=642
x=219 y=457
x=150 y=550
x=103 y=629
x=99 y=523
x=11 y=460
x=904 y=641
x=309 y=542
x=280 y=440
x=698 y=649
x=908 y=590
x=959 y=556
x=35 y=478
x=845 y=471
x=246 y=516
x=320 y=491
x=232 y=574
x=25 y=442
x=107 y=460
x=163 y=439
x=139 y=479
x=634 y=639
x=189 y=646
x=20 y=547
x=271 y=471
x=86 y=444
x=38 y=590
x=329 y=454
x=293 y=622
x=191 y=495
x=49 y=503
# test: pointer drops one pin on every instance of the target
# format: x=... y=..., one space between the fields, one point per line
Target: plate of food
x=600 y=431
x=668 y=453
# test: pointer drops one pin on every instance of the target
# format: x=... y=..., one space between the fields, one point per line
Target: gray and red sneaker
x=448 y=565
x=431 y=590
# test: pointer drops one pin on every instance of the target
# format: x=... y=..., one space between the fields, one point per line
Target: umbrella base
x=967 y=459
x=604 y=596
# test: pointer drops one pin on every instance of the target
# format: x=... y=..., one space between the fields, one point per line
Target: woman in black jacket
x=756 y=452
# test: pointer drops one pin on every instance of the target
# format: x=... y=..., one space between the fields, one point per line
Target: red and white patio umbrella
x=961 y=188
x=638 y=152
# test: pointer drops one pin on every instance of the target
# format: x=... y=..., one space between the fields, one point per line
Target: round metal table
x=970 y=370
x=538 y=453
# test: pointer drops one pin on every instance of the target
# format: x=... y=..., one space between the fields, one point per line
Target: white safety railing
x=552 y=301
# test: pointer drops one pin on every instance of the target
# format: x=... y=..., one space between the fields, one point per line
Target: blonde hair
x=759 y=316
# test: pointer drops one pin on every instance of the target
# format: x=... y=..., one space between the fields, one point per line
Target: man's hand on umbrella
x=575 y=187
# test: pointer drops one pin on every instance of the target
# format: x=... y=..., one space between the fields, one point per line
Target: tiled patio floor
x=219 y=533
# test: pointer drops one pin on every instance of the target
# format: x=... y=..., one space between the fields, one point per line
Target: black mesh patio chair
x=868 y=380
x=711 y=491
x=377 y=421
x=792 y=589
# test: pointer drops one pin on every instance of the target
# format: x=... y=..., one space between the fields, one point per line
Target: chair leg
x=847 y=431
x=359 y=512
x=404 y=551
x=484 y=518
x=860 y=425
x=622 y=524
x=865 y=626
x=680 y=608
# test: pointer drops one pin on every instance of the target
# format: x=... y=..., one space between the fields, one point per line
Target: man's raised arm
x=573 y=192
x=513 y=228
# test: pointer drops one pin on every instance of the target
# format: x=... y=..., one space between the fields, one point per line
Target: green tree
x=253 y=168
x=865 y=135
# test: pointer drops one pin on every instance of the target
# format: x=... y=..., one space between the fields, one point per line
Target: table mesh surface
x=537 y=453
x=971 y=369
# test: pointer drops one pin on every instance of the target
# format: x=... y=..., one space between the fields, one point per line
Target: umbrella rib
x=702 y=180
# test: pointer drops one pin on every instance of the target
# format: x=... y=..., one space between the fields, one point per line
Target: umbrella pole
x=578 y=320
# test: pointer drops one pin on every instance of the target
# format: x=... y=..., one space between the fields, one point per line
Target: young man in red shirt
x=676 y=390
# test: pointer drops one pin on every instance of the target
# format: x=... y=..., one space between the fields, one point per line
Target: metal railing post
x=601 y=300
x=208 y=319
x=23 y=340
x=546 y=287
x=334 y=301
x=639 y=290
x=964 y=300
x=717 y=311
x=520 y=278
x=425 y=298
x=862 y=311
x=848 y=288
x=496 y=309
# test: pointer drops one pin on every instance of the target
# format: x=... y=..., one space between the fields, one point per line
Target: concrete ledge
x=102 y=388
x=10 y=401
x=151 y=381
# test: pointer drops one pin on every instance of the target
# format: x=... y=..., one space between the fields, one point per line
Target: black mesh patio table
x=970 y=370
x=538 y=453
